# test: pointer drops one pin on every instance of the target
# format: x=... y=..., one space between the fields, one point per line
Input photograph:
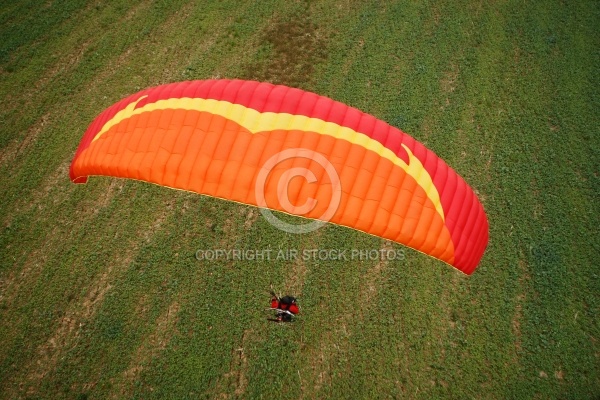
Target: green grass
x=101 y=295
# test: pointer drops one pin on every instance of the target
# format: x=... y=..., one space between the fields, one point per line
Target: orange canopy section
x=289 y=150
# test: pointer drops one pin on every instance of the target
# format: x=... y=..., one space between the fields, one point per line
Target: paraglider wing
x=216 y=138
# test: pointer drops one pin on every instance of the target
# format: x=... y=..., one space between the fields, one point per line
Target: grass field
x=101 y=295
